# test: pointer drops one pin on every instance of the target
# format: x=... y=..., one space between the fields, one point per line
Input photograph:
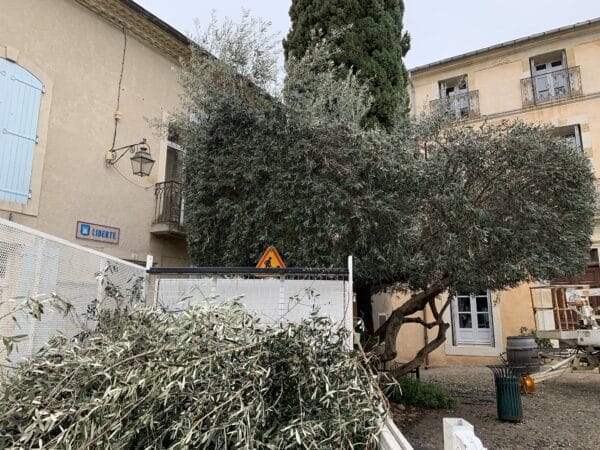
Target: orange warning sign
x=270 y=260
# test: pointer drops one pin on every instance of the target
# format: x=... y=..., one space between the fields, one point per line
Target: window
x=174 y=166
x=571 y=134
x=594 y=261
x=472 y=319
x=550 y=77
x=170 y=204
x=173 y=134
x=455 y=91
x=20 y=97
x=453 y=86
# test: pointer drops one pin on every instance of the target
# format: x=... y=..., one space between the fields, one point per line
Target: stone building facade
x=77 y=78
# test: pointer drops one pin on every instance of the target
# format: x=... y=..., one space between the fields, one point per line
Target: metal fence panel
x=272 y=299
x=35 y=265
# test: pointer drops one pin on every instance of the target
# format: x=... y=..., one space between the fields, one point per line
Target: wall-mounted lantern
x=141 y=161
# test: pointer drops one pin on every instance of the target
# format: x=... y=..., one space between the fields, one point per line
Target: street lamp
x=141 y=161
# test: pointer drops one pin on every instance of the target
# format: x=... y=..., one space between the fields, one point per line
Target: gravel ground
x=562 y=413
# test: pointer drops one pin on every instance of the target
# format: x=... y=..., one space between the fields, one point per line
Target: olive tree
x=496 y=205
x=426 y=207
x=297 y=172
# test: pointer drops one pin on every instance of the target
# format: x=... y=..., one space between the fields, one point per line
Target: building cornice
x=531 y=40
x=143 y=24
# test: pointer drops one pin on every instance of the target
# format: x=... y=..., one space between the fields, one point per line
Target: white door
x=457 y=95
x=472 y=319
x=550 y=79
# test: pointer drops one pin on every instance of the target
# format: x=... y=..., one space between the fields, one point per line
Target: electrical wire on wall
x=118 y=112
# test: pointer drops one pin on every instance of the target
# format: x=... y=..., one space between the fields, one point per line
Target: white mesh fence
x=36 y=268
x=272 y=299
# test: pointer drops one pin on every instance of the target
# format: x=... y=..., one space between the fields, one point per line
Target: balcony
x=168 y=210
x=551 y=87
x=463 y=106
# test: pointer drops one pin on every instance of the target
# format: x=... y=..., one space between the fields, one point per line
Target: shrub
x=417 y=393
x=541 y=342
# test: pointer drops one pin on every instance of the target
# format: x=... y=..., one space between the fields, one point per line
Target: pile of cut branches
x=211 y=378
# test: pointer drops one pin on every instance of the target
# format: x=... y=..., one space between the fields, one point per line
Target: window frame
x=474 y=317
x=459 y=100
x=547 y=75
x=565 y=132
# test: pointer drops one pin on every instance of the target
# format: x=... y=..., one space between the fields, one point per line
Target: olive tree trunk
x=403 y=314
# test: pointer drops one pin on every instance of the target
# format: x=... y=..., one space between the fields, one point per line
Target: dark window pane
x=482 y=304
x=464 y=304
x=483 y=320
x=173 y=134
x=174 y=169
x=594 y=255
x=464 y=321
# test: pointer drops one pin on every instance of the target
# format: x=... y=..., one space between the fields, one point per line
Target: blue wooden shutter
x=20 y=95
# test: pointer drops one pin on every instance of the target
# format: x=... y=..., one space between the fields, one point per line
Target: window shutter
x=20 y=96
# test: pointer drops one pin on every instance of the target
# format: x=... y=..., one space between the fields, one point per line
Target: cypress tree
x=372 y=42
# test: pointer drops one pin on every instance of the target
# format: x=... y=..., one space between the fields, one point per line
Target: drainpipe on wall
x=413 y=113
x=413 y=99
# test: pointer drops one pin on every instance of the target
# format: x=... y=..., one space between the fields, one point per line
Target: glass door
x=472 y=319
x=456 y=91
x=550 y=77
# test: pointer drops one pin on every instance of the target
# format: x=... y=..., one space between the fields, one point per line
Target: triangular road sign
x=270 y=260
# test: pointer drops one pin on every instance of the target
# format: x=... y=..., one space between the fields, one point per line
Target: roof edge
x=503 y=45
x=158 y=22
x=150 y=28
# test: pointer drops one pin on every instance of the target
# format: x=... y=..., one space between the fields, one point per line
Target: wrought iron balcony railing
x=553 y=86
x=463 y=106
x=168 y=203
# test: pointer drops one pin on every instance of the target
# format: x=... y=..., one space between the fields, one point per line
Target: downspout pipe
x=413 y=97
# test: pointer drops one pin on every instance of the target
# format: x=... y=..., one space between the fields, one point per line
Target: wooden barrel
x=522 y=353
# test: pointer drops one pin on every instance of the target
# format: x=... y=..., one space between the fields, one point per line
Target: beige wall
x=78 y=56
x=497 y=75
x=511 y=311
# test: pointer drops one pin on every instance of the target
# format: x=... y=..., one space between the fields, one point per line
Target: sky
x=439 y=28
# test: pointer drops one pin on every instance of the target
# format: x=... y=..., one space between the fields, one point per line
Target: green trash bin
x=508 y=393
